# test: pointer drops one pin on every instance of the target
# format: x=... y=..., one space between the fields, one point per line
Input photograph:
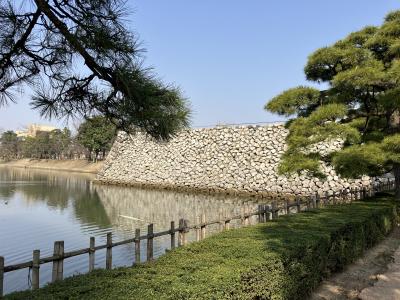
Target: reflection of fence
x=264 y=212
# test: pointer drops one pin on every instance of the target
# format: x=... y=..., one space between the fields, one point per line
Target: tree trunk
x=396 y=171
x=90 y=155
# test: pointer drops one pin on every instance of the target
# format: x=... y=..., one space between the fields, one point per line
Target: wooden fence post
x=58 y=264
x=182 y=240
x=1 y=276
x=227 y=222
x=275 y=213
x=298 y=205
x=308 y=201
x=180 y=232
x=267 y=211
x=246 y=217
x=287 y=207
x=185 y=231
x=92 y=244
x=313 y=201
x=242 y=213
x=261 y=213
x=198 y=234
x=172 y=234
x=203 y=226
x=317 y=200
x=150 y=237
x=109 y=251
x=326 y=198
x=35 y=269
x=137 y=245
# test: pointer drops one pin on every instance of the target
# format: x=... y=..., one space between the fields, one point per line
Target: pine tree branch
x=100 y=71
x=6 y=59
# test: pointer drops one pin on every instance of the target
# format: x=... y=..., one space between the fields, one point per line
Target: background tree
x=75 y=150
x=96 y=135
x=361 y=105
x=81 y=60
x=9 y=145
x=29 y=148
x=59 y=142
x=43 y=145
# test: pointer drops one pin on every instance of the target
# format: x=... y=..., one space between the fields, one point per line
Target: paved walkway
x=388 y=285
x=375 y=276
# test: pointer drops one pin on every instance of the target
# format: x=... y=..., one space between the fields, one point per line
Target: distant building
x=33 y=130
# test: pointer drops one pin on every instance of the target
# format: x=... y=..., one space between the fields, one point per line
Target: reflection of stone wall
x=241 y=159
x=132 y=207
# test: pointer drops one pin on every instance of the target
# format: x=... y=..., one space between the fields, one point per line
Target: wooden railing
x=264 y=212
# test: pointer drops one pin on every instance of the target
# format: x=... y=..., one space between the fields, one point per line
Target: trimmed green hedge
x=283 y=259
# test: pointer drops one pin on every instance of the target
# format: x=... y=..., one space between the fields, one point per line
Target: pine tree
x=361 y=105
x=81 y=61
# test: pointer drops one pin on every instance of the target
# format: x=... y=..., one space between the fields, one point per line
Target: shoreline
x=77 y=166
x=198 y=190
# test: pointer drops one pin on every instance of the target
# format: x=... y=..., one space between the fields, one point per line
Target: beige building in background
x=33 y=130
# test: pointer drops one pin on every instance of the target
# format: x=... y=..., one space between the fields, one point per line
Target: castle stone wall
x=232 y=160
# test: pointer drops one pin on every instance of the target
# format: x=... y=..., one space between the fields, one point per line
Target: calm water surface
x=39 y=207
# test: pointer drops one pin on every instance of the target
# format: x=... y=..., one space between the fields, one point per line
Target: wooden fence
x=264 y=212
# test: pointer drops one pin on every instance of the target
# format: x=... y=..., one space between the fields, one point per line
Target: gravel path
x=374 y=276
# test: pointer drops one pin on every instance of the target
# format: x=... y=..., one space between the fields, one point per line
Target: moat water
x=40 y=207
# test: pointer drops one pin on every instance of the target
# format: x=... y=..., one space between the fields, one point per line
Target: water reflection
x=125 y=205
x=55 y=188
x=38 y=207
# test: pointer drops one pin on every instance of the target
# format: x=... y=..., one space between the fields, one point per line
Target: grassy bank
x=283 y=259
x=82 y=166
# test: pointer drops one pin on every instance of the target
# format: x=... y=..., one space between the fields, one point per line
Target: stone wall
x=232 y=160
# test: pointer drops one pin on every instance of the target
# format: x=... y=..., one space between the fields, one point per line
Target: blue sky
x=229 y=56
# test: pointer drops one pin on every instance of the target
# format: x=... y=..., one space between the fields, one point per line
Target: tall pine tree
x=80 y=60
x=361 y=105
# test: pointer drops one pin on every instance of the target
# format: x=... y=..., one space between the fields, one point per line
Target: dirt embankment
x=82 y=166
